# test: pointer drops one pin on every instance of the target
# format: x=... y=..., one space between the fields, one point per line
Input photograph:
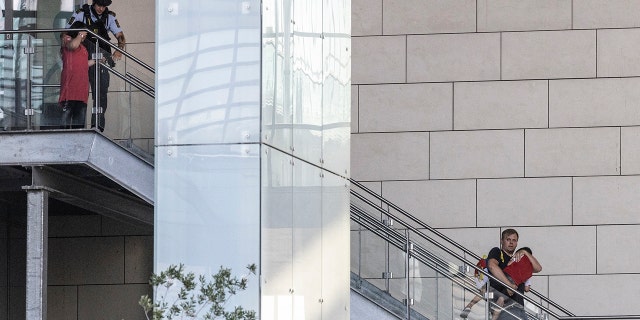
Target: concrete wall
x=12 y=257
x=4 y=260
x=98 y=267
x=481 y=115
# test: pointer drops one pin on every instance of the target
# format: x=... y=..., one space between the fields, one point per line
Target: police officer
x=101 y=21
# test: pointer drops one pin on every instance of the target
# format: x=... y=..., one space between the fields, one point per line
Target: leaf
x=193 y=297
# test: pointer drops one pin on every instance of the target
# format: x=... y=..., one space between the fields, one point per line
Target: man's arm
x=116 y=30
x=495 y=270
x=527 y=285
x=534 y=262
x=73 y=43
x=121 y=45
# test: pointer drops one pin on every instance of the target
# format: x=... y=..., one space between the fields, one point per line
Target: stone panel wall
x=483 y=115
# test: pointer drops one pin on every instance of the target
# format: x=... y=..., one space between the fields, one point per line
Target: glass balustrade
x=419 y=273
x=30 y=66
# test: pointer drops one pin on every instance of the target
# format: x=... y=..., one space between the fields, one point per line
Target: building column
x=37 y=239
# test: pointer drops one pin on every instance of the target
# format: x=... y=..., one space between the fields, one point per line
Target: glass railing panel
x=277 y=79
x=30 y=67
x=420 y=284
x=307 y=240
x=372 y=259
x=140 y=130
x=50 y=114
x=438 y=286
x=308 y=84
x=463 y=305
x=45 y=66
x=336 y=117
x=132 y=96
x=429 y=292
x=277 y=233
x=130 y=110
x=443 y=270
x=336 y=92
x=335 y=202
x=13 y=75
x=431 y=297
x=355 y=242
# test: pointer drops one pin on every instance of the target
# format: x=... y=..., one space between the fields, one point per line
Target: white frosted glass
x=276 y=231
x=204 y=74
x=305 y=112
x=307 y=240
x=277 y=114
x=307 y=97
x=335 y=247
x=207 y=210
x=336 y=112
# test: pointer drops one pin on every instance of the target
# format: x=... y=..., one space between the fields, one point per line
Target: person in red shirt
x=74 y=78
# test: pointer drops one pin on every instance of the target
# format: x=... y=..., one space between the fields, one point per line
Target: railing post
x=387 y=274
x=488 y=296
x=408 y=249
x=28 y=111
x=97 y=108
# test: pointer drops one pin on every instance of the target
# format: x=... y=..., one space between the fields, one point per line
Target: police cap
x=103 y=3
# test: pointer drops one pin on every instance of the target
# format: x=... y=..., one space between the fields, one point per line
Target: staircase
x=412 y=271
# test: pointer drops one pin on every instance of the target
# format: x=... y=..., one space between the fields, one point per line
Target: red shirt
x=74 y=78
x=520 y=271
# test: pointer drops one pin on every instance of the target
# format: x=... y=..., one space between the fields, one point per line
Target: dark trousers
x=100 y=103
x=73 y=114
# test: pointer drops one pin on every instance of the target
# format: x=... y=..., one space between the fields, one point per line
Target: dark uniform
x=101 y=25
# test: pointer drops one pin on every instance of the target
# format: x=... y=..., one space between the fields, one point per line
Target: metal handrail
x=397 y=239
x=148 y=87
x=126 y=54
x=129 y=79
x=433 y=261
x=446 y=239
x=429 y=259
x=614 y=317
x=132 y=81
x=441 y=246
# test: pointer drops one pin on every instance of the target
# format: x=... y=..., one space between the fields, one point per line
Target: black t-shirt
x=503 y=259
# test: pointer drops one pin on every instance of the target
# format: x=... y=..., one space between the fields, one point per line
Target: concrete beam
x=51 y=147
x=92 y=196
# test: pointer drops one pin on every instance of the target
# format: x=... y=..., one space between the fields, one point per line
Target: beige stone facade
x=481 y=115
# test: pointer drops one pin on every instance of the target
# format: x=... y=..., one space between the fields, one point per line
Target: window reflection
x=209 y=69
x=306 y=127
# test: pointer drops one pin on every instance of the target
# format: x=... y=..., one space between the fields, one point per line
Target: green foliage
x=194 y=297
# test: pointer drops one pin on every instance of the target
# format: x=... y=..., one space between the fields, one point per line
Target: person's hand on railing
x=117 y=55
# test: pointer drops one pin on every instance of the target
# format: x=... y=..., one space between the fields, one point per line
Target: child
x=520 y=271
x=481 y=281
